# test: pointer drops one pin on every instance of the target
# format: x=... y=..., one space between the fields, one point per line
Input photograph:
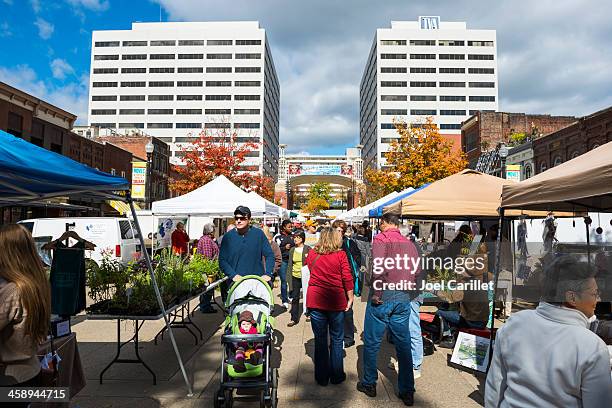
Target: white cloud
x=35 y=6
x=93 y=5
x=554 y=59
x=71 y=97
x=60 y=68
x=45 y=29
x=5 y=30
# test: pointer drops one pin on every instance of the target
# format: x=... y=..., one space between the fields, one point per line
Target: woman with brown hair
x=329 y=295
x=25 y=307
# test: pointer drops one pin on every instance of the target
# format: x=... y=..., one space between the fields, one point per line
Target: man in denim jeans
x=284 y=239
x=395 y=261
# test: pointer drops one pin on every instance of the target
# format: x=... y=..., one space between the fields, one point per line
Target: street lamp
x=149 y=148
x=503 y=154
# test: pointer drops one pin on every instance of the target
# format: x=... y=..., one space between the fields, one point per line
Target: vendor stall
x=218 y=199
x=29 y=173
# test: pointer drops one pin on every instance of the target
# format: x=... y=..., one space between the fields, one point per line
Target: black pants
x=296 y=285
x=349 y=326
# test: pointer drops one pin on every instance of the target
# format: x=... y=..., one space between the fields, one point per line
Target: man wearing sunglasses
x=243 y=248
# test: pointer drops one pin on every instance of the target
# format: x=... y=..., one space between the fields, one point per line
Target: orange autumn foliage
x=420 y=156
x=208 y=156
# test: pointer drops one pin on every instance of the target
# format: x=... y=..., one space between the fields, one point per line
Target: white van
x=117 y=236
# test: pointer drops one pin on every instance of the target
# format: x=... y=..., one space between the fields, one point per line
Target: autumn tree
x=420 y=156
x=208 y=156
x=319 y=196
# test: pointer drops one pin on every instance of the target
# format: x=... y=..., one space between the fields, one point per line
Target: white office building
x=423 y=68
x=175 y=80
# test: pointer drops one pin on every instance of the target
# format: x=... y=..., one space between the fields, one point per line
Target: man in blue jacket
x=243 y=248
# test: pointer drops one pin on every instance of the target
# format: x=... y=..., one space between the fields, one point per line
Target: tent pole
x=159 y=298
x=495 y=280
x=588 y=240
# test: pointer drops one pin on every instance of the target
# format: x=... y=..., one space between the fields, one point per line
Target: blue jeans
x=206 y=302
x=394 y=316
x=328 y=359
x=452 y=318
x=416 y=336
x=282 y=273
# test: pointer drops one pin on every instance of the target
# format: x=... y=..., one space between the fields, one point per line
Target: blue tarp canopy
x=377 y=212
x=31 y=173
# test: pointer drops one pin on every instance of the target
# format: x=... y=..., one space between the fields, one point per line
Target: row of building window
x=442 y=126
x=115 y=57
x=442 y=43
x=432 y=84
x=177 y=111
x=167 y=84
x=193 y=125
x=178 y=97
x=431 y=70
x=472 y=57
x=166 y=43
x=180 y=70
x=423 y=112
x=442 y=98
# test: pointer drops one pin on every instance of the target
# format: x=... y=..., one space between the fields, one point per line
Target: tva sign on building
x=429 y=22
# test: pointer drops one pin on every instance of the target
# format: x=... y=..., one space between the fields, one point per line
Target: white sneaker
x=417 y=373
x=286 y=305
x=393 y=364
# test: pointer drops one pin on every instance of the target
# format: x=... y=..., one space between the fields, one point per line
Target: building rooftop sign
x=429 y=22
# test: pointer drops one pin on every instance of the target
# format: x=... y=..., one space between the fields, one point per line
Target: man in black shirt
x=285 y=241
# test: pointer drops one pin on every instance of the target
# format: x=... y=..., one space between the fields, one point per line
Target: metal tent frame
x=31 y=174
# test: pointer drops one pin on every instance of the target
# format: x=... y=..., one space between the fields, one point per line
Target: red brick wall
x=572 y=141
x=493 y=128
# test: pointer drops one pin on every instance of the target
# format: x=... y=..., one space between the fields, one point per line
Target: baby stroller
x=250 y=293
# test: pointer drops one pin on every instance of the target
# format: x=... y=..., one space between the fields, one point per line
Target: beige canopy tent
x=468 y=194
x=580 y=184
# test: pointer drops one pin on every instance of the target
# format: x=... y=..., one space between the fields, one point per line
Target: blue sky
x=554 y=56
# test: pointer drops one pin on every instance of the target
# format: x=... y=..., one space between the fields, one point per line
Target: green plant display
x=127 y=289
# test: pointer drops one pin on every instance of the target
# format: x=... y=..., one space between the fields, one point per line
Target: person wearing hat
x=312 y=236
x=243 y=248
x=251 y=353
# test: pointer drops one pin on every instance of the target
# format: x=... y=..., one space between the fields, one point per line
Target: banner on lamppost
x=513 y=172
x=139 y=179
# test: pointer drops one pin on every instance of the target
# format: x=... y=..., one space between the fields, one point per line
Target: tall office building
x=174 y=80
x=425 y=68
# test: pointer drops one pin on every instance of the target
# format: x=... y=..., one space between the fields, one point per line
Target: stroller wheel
x=219 y=399
x=272 y=400
x=229 y=398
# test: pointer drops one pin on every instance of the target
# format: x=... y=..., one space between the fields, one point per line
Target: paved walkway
x=127 y=385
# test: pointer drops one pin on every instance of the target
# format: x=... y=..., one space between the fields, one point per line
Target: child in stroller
x=251 y=352
x=247 y=342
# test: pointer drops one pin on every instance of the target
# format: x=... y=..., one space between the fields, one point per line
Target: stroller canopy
x=250 y=293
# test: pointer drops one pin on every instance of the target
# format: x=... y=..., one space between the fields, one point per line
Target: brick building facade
x=49 y=127
x=486 y=130
x=160 y=159
x=578 y=138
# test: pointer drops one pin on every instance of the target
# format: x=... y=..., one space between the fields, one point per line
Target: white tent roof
x=218 y=198
x=279 y=211
x=360 y=213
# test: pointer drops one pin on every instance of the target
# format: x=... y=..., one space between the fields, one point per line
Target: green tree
x=318 y=198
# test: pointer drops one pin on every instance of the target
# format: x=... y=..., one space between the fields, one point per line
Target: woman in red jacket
x=329 y=295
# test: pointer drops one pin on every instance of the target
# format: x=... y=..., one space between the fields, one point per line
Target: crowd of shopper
x=545 y=357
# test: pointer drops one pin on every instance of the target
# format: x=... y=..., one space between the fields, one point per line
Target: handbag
x=358 y=273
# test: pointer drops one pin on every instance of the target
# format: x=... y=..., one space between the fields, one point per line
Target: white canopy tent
x=218 y=198
x=280 y=211
x=361 y=213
